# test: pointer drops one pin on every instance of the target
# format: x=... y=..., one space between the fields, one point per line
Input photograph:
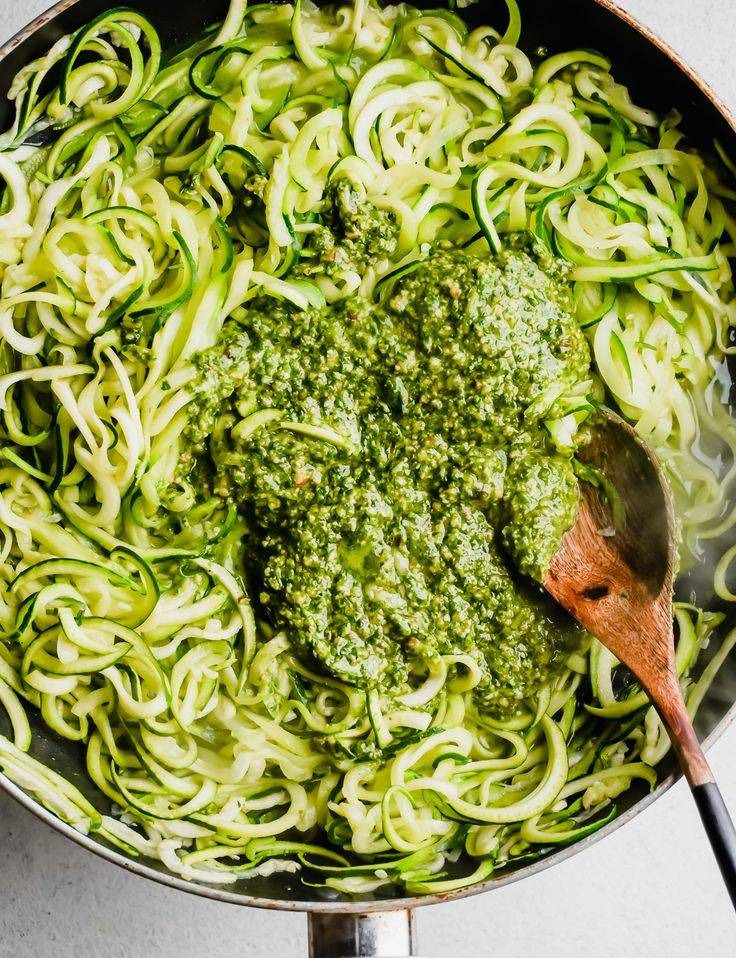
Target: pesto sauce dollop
x=400 y=492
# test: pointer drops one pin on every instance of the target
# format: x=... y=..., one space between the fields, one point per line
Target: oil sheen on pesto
x=403 y=498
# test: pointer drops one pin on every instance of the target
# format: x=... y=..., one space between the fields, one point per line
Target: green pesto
x=412 y=522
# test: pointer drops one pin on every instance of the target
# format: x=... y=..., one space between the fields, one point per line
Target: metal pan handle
x=385 y=934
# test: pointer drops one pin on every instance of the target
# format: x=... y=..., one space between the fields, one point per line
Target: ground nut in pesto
x=401 y=492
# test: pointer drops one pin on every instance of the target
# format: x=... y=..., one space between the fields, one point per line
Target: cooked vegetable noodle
x=126 y=246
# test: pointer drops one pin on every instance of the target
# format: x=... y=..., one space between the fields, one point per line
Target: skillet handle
x=387 y=934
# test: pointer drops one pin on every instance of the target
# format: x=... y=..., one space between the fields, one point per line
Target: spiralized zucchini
x=124 y=246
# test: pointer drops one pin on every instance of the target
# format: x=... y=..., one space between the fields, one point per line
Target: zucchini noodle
x=125 y=245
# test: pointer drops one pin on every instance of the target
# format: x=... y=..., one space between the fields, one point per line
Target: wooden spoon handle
x=716 y=819
x=720 y=830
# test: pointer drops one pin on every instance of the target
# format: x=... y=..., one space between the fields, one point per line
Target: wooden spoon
x=614 y=575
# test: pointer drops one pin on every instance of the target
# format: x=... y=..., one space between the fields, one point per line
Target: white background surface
x=651 y=889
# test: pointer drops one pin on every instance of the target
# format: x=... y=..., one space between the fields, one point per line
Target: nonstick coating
x=658 y=80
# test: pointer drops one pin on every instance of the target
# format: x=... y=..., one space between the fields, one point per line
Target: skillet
x=382 y=924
